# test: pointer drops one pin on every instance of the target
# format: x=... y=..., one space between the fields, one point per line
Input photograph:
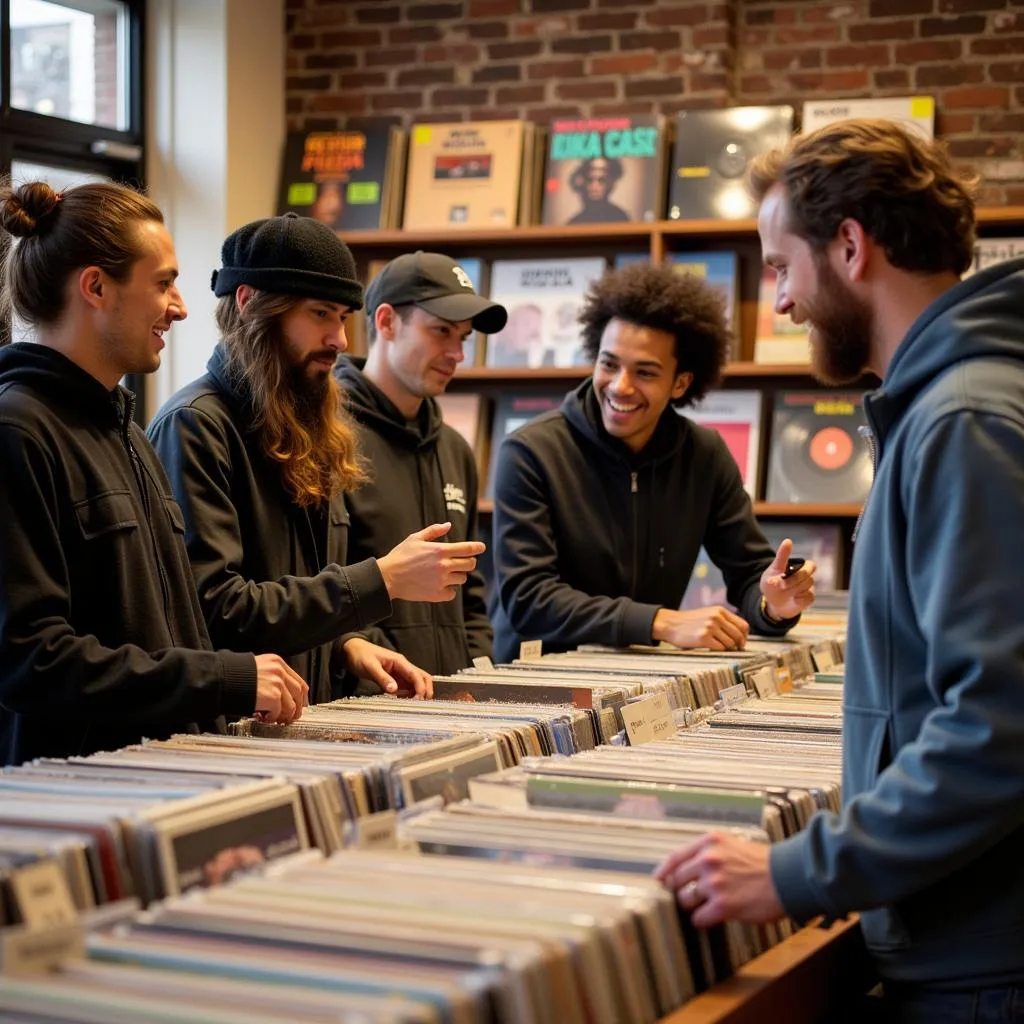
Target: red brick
x=633 y=107
x=977 y=97
x=459 y=97
x=625 y=3
x=813 y=34
x=494 y=114
x=493 y=8
x=379 y=15
x=350 y=102
x=919 y=53
x=316 y=61
x=756 y=84
x=394 y=101
x=974 y=149
x=541 y=115
x=363 y=38
x=513 y=51
x=302 y=42
x=363 y=79
x=497 y=73
x=388 y=58
x=627 y=64
x=990 y=194
x=1013 y=195
x=586 y=90
x=415 y=34
x=711 y=35
x=665 y=17
x=307 y=82
x=968 y=6
x=555 y=69
x=870 y=31
x=894 y=8
x=770 y=16
x=520 y=94
x=539 y=28
x=952 y=124
x=293 y=62
x=873 y=56
x=1007 y=72
x=754 y=37
x=293 y=104
x=829 y=81
x=650 y=41
x=716 y=81
x=426 y=76
x=780 y=60
x=487 y=30
x=702 y=102
x=994 y=46
x=459 y=53
x=948 y=74
x=433 y=12
x=892 y=78
x=582 y=44
x=439 y=117
x=638 y=88
x=557 y=6
x=618 y=21
x=1002 y=122
x=338 y=15
x=967 y=25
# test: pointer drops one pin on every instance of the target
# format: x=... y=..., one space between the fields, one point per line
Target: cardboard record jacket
x=817 y=454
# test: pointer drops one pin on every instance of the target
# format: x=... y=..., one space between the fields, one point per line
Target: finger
x=782 y=556
x=460 y=564
x=410 y=679
x=738 y=621
x=427 y=690
x=734 y=632
x=465 y=549
x=376 y=673
x=710 y=912
x=455 y=579
x=676 y=859
x=286 y=706
x=433 y=532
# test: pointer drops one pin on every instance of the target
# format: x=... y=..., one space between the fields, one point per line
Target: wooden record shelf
x=768 y=509
x=815 y=975
x=397 y=238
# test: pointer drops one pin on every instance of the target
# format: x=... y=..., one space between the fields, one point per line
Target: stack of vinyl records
x=381 y=936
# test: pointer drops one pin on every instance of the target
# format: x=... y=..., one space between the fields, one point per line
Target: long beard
x=842 y=327
x=308 y=397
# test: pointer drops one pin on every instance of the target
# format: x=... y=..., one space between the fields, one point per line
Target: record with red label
x=817 y=454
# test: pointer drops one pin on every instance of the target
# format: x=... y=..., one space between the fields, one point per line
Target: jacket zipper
x=868 y=434
x=634 y=490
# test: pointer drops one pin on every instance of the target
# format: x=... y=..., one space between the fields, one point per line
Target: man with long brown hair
x=869 y=229
x=102 y=640
x=260 y=454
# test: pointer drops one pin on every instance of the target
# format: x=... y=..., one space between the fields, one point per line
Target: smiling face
x=635 y=379
x=312 y=335
x=424 y=351
x=810 y=291
x=142 y=308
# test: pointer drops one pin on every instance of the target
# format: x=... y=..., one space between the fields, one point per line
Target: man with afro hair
x=602 y=506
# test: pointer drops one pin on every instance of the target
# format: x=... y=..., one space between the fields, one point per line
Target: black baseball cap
x=437 y=284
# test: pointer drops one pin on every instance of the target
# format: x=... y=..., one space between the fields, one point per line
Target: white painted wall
x=215 y=135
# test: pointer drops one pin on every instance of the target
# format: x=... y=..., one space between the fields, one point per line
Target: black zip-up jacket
x=102 y=639
x=591 y=540
x=423 y=473
x=271 y=576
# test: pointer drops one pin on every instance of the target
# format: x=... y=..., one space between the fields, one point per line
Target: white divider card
x=484 y=664
x=42 y=895
x=377 y=831
x=648 y=719
x=824 y=657
x=764 y=681
x=50 y=931
x=529 y=650
x=733 y=694
x=783 y=679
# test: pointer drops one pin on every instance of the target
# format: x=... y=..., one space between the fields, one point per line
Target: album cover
x=510 y=413
x=464 y=175
x=916 y=112
x=736 y=415
x=604 y=170
x=989 y=251
x=712 y=151
x=778 y=338
x=817 y=454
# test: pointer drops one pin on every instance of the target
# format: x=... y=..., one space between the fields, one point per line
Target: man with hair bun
x=102 y=640
x=870 y=229
x=261 y=454
x=602 y=506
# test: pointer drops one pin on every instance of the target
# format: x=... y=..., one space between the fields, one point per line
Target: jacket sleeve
x=479 y=634
x=956 y=789
x=46 y=668
x=533 y=595
x=285 y=616
x=735 y=543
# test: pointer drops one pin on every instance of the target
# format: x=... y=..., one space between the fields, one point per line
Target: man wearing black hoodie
x=421 y=308
x=102 y=640
x=870 y=228
x=601 y=507
x=263 y=459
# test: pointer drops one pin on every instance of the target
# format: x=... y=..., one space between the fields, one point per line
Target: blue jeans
x=909 y=1005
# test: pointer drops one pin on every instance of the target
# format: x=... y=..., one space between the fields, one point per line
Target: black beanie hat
x=289 y=255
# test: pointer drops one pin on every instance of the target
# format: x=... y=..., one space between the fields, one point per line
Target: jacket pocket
x=176 y=516
x=106 y=513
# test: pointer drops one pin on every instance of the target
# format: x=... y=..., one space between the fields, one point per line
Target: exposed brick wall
x=538 y=59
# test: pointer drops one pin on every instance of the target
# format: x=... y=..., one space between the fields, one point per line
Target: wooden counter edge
x=800 y=981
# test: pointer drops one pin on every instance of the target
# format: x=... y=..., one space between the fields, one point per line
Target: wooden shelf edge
x=802 y=980
x=989 y=216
